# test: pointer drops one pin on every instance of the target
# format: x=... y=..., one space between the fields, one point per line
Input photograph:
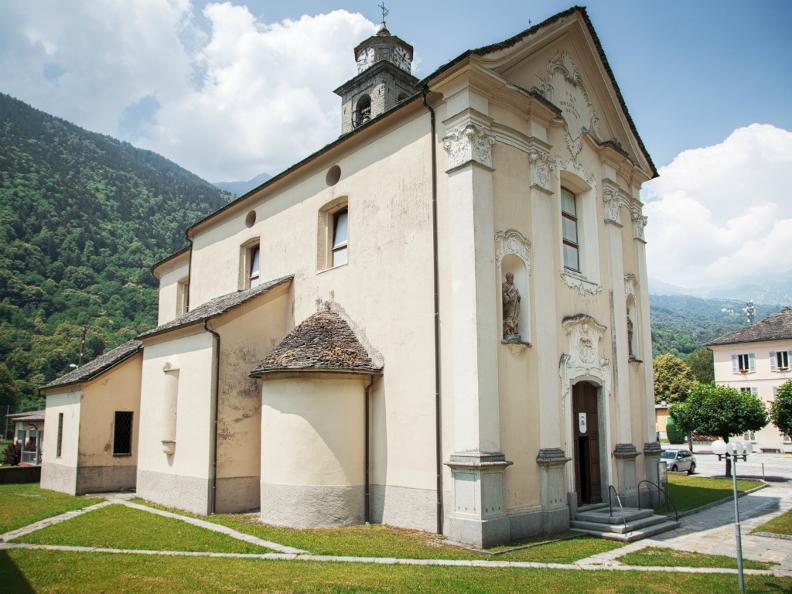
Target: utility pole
x=5 y=432
x=82 y=345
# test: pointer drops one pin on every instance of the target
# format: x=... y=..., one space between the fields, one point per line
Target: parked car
x=679 y=460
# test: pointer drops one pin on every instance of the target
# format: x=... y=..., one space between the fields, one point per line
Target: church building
x=438 y=321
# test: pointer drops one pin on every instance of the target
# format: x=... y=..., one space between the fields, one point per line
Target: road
x=777 y=467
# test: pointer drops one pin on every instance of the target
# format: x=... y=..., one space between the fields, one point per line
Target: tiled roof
x=97 y=366
x=322 y=342
x=31 y=415
x=215 y=307
x=775 y=327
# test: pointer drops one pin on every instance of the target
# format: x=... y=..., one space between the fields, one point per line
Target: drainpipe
x=216 y=403
x=436 y=282
x=366 y=463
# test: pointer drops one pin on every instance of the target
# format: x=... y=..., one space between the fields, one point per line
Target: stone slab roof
x=97 y=366
x=215 y=307
x=31 y=415
x=775 y=327
x=324 y=342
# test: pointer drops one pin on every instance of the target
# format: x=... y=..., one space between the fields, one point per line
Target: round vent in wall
x=333 y=175
x=250 y=218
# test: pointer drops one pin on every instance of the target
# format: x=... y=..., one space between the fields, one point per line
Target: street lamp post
x=733 y=450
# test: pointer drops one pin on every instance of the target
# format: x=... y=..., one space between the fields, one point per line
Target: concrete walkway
x=388 y=560
x=712 y=531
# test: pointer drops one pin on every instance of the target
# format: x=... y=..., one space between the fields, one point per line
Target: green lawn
x=779 y=525
x=120 y=527
x=688 y=492
x=51 y=571
x=377 y=540
x=21 y=505
x=663 y=557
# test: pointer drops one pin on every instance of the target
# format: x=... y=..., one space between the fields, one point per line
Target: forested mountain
x=82 y=217
x=681 y=324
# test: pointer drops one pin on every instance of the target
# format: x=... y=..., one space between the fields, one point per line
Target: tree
x=673 y=379
x=702 y=365
x=781 y=408
x=9 y=393
x=720 y=411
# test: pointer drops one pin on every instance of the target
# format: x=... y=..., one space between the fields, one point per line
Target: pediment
x=562 y=61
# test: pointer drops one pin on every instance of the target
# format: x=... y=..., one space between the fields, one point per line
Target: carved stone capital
x=612 y=201
x=630 y=286
x=551 y=457
x=625 y=450
x=467 y=143
x=652 y=448
x=542 y=167
x=638 y=221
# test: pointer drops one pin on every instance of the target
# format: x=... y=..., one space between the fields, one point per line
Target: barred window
x=122 y=435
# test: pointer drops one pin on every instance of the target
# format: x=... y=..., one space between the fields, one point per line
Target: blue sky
x=691 y=72
x=233 y=89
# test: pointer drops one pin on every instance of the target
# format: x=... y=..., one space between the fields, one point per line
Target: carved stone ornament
x=562 y=84
x=612 y=201
x=639 y=222
x=512 y=241
x=581 y=284
x=630 y=286
x=542 y=167
x=583 y=358
x=470 y=142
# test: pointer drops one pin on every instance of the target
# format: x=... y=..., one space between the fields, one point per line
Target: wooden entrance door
x=585 y=419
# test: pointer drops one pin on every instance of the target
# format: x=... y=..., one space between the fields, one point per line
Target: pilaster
x=625 y=455
x=555 y=502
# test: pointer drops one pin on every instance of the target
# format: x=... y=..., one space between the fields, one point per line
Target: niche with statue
x=513 y=252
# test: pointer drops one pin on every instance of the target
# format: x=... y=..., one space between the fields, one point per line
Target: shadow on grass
x=11 y=578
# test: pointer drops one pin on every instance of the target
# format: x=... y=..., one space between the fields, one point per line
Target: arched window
x=363 y=110
x=333 y=239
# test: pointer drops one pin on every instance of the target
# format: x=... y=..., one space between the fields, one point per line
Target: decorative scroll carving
x=512 y=241
x=582 y=285
x=542 y=167
x=470 y=142
x=583 y=358
x=562 y=84
x=612 y=200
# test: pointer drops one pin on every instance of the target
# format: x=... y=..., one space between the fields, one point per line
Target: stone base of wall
x=104 y=479
x=311 y=506
x=188 y=493
x=58 y=477
x=404 y=507
x=237 y=494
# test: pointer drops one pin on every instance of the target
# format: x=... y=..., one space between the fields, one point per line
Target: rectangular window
x=340 y=232
x=20 y=436
x=59 y=443
x=122 y=433
x=743 y=363
x=569 y=231
x=255 y=267
x=745 y=390
x=782 y=360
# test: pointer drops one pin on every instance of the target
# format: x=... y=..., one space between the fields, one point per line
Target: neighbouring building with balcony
x=29 y=432
x=758 y=359
x=440 y=320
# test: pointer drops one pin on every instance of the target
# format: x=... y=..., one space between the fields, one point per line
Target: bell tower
x=383 y=80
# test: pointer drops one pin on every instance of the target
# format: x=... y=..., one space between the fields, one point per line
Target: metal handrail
x=661 y=490
x=618 y=500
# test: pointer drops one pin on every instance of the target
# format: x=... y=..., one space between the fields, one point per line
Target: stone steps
x=634 y=524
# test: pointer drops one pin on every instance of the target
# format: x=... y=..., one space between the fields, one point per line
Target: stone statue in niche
x=630 y=334
x=511 y=309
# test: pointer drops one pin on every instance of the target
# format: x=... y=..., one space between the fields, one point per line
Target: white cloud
x=243 y=97
x=721 y=215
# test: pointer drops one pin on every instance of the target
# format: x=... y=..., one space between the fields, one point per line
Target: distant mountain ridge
x=238 y=188
x=82 y=217
x=771 y=290
x=682 y=323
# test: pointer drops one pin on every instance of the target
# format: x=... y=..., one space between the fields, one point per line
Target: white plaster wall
x=59 y=473
x=170 y=274
x=312 y=432
x=192 y=354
